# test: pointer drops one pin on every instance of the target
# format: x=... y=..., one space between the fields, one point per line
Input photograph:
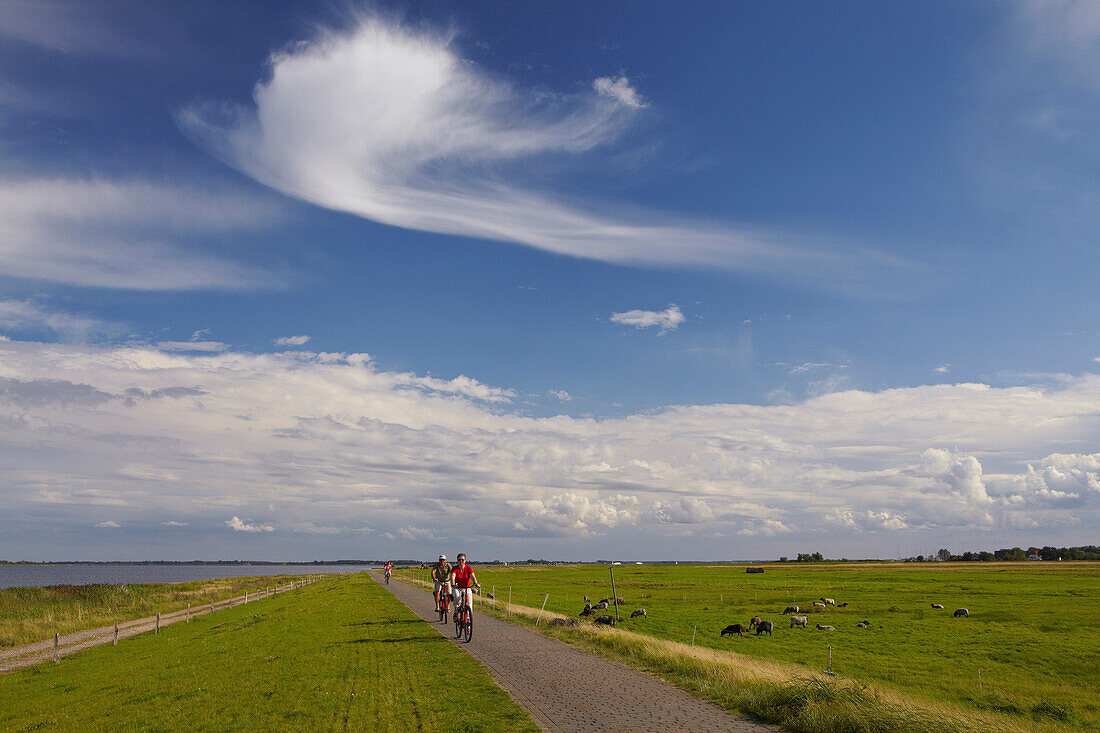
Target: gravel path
x=566 y=689
x=41 y=651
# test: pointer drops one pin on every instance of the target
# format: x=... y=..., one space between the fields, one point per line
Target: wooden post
x=187 y=618
x=115 y=642
x=56 y=651
x=509 y=600
x=211 y=604
x=544 y=600
x=157 y=629
x=614 y=594
x=246 y=596
x=693 y=630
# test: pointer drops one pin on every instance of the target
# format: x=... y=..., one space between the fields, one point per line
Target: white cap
x=442 y=557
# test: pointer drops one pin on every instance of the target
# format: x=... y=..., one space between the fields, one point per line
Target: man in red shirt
x=462 y=578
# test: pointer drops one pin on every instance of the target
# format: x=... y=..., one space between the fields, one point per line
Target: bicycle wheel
x=469 y=630
x=458 y=621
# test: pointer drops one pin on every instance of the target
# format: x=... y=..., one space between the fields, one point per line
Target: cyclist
x=441 y=575
x=464 y=578
x=387 y=568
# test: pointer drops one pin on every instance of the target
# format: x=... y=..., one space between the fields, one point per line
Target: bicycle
x=464 y=618
x=444 y=603
x=387 y=577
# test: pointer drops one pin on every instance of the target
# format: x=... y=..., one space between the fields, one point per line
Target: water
x=12 y=576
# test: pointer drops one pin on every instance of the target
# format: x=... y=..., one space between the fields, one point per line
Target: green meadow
x=341 y=654
x=30 y=614
x=1033 y=630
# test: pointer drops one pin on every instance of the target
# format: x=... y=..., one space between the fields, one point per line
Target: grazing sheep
x=863 y=624
x=754 y=621
x=587 y=599
x=605 y=600
x=790 y=609
x=564 y=621
x=638 y=612
x=587 y=610
x=937 y=605
x=961 y=612
x=829 y=601
x=733 y=629
x=799 y=621
x=819 y=604
x=602 y=606
x=842 y=605
x=620 y=601
x=764 y=627
x=823 y=627
x=605 y=620
x=490 y=596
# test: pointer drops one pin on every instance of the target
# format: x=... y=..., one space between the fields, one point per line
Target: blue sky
x=297 y=280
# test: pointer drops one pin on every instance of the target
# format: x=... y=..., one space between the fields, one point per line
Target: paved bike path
x=566 y=689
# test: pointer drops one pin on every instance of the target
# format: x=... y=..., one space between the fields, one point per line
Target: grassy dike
x=341 y=654
x=784 y=694
x=30 y=614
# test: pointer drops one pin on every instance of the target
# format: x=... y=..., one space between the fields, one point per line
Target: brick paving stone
x=566 y=689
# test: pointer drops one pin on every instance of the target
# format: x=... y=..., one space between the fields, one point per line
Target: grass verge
x=339 y=654
x=30 y=614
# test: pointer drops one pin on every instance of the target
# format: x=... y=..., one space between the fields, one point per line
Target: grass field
x=1034 y=629
x=32 y=614
x=339 y=654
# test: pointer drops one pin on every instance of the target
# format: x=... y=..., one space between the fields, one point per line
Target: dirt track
x=566 y=689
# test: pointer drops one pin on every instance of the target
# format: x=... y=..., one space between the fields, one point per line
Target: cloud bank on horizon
x=296 y=442
x=391 y=124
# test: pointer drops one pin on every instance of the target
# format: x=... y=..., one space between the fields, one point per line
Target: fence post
x=509 y=600
x=544 y=600
x=693 y=630
x=157 y=630
x=614 y=594
x=115 y=642
x=56 y=652
x=246 y=596
x=211 y=604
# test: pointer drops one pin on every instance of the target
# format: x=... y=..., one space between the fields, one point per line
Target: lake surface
x=12 y=576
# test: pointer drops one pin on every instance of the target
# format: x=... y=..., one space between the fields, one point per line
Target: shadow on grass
x=389 y=641
x=383 y=623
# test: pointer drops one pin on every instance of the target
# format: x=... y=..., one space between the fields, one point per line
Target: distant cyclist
x=464 y=578
x=387 y=568
x=441 y=574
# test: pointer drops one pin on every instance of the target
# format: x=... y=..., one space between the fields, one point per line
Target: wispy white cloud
x=239 y=525
x=942 y=369
x=208 y=346
x=173 y=523
x=291 y=340
x=561 y=395
x=666 y=320
x=108 y=524
x=390 y=123
x=125 y=233
x=20 y=316
x=619 y=89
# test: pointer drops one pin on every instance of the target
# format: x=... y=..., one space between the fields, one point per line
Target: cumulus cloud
x=173 y=523
x=942 y=369
x=317 y=442
x=291 y=340
x=666 y=320
x=125 y=233
x=108 y=524
x=390 y=123
x=561 y=395
x=239 y=525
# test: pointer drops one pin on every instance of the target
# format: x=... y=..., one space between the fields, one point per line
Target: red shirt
x=462 y=576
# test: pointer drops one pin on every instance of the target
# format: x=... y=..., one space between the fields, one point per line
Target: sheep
x=961 y=612
x=790 y=609
x=587 y=599
x=602 y=606
x=799 y=621
x=605 y=600
x=638 y=612
x=754 y=621
x=733 y=629
x=863 y=624
x=937 y=605
x=764 y=627
x=620 y=601
x=823 y=627
x=819 y=604
x=842 y=605
x=829 y=601
x=605 y=620
x=490 y=596
x=587 y=610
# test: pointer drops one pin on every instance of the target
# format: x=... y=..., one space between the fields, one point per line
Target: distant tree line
x=1048 y=553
